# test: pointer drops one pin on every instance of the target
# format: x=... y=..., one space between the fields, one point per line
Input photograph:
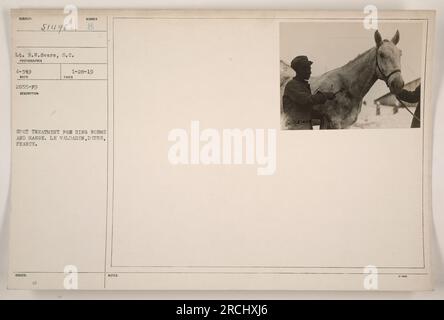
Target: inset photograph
x=340 y=75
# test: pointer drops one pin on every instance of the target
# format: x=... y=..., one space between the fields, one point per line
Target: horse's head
x=388 y=62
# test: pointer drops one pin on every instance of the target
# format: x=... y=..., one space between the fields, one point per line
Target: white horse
x=352 y=81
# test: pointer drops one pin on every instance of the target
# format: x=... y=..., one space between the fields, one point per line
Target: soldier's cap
x=300 y=61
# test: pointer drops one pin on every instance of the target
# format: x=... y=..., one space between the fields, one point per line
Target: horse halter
x=384 y=77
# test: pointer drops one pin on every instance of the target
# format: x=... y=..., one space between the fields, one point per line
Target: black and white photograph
x=341 y=75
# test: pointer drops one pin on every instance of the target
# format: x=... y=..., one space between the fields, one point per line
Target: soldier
x=297 y=101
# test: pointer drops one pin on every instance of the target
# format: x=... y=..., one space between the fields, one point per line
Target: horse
x=351 y=82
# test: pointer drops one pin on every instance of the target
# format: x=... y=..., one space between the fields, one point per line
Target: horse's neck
x=360 y=74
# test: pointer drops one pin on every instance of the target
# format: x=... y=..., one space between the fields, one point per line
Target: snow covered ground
x=387 y=119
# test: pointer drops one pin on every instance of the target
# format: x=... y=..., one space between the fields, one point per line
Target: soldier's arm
x=301 y=96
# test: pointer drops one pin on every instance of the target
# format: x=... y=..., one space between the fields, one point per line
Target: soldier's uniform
x=298 y=102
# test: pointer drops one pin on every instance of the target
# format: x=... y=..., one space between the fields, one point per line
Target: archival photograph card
x=221 y=150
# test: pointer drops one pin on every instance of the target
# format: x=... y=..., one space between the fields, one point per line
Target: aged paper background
x=312 y=147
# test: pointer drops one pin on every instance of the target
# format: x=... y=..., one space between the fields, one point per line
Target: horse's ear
x=378 y=38
x=395 y=38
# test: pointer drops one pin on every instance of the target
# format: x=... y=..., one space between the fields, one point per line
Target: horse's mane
x=359 y=56
x=316 y=81
x=362 y=54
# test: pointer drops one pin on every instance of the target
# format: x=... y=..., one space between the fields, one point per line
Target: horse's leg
x=324 y=123
x=327 y=124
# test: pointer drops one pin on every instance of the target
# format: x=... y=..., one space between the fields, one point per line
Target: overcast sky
x=332 y=44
